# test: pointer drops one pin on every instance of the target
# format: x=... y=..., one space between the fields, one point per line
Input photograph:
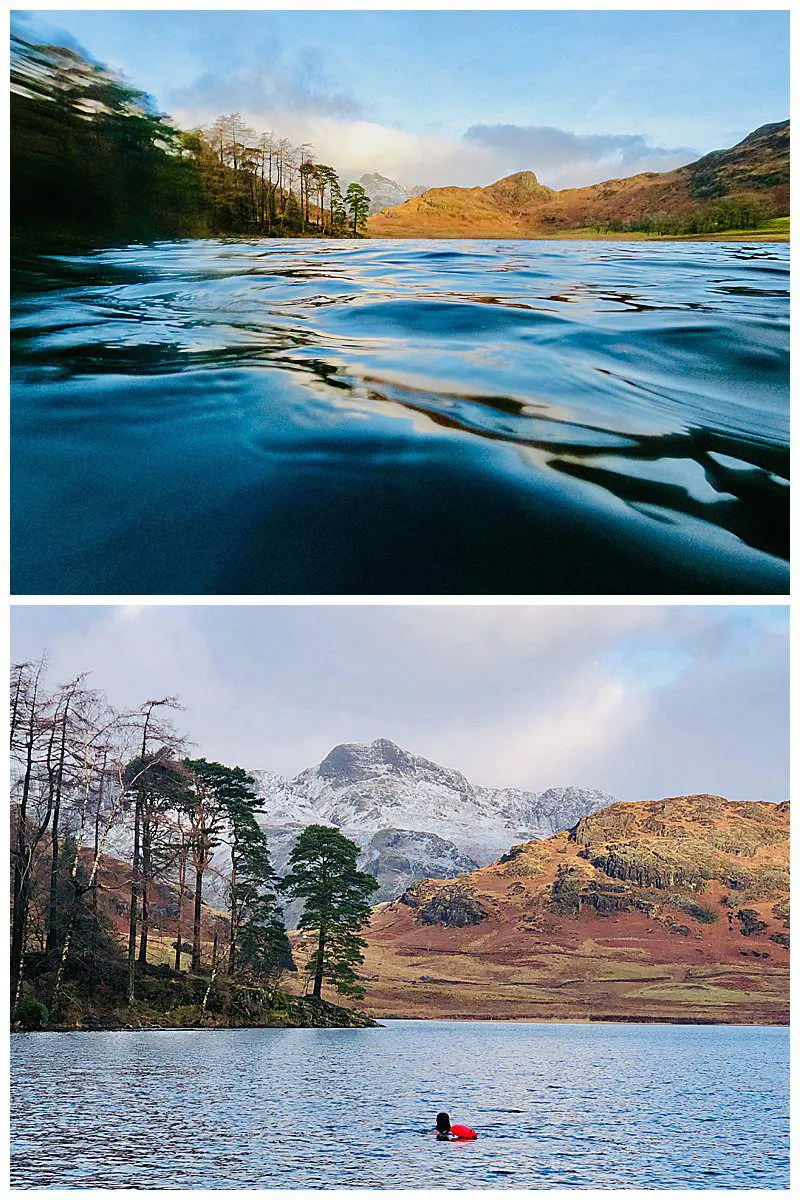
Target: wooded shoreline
x=361 y=1021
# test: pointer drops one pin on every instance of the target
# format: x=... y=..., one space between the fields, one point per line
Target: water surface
x=556 y=1106
x=402 y=417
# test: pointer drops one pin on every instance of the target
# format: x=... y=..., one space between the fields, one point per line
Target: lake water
x=556 y=1106
x=323 y=417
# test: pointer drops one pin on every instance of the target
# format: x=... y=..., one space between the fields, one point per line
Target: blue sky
x=459 y=97
x=642 y=701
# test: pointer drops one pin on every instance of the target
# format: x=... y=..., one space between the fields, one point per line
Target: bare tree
x=151 y=729
x=65 y=699
x=31 y=735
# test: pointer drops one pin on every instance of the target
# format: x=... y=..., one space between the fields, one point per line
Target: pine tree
x=324 y=874
x=358 y=203
x=256 y=925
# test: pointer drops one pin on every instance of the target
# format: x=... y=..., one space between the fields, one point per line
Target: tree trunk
x=210 y=984
x=22 y=865
x=78 y=893
x=52 y=916
x=234 y=921
x=134 y=905
x=96 y=855
x=55 y=999
x=181 y=890
x=53 y=907
x=198 y=910
x=19 y=932
x=135 y=876
x=146 y=856
x=317 y=990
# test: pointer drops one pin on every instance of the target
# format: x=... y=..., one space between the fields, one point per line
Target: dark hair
x=442 y=1123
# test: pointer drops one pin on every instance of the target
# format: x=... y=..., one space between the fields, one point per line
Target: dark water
x=572 y=1106
x=402 y=417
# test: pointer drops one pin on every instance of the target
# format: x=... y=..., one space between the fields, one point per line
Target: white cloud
x=565 y=159
x=355 y=145
x=558 y=746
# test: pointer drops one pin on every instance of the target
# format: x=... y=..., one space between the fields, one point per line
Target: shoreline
x=377 y=1023
x=23 y=248
x=735 y=236
x=601 y=1019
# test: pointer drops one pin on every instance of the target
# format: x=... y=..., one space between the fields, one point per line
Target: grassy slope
x=533 y=958
x=756 y=171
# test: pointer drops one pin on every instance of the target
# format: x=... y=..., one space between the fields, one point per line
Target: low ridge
x=749 y=180
x=649 y=910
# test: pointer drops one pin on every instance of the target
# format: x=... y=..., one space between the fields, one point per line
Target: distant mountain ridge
x=386 y=193
x=753 y=174
x=412 y=818
x=362 y=788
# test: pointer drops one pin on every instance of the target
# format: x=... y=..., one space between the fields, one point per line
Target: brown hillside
x=755 y=173
x=664 y=911
x=114 y=880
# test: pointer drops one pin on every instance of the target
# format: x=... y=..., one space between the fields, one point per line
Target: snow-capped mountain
x=386 y=193
x=367 y=788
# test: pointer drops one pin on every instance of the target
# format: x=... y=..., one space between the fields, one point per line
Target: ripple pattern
x=556 y=1106
x=387 y=416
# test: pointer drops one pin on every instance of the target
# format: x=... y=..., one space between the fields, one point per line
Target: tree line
x=259 y=183
x=715 y=217
x=111 y=814
x=93 y=161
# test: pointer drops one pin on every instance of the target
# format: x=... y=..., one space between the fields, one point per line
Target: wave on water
x=378 y=416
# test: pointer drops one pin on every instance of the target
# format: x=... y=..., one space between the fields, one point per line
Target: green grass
x=774 y=230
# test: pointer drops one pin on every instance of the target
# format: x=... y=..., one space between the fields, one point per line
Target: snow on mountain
x=396 y=855
x=366 y=788
x=386 y=193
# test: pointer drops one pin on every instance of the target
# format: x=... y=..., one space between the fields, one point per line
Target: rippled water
x=572 y=1106
x=412 y=417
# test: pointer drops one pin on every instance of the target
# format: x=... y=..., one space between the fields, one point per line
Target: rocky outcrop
x=751 y=925
x=686 y=841
x=399 y=858
x=384 y=192
x=648 y=868
x=455 y=906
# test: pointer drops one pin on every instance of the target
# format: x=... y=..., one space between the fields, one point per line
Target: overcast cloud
x=641 y=701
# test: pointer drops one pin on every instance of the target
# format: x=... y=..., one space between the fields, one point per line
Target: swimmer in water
x=445 y=1132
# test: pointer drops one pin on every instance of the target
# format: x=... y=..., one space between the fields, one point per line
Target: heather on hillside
x=676 y=909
